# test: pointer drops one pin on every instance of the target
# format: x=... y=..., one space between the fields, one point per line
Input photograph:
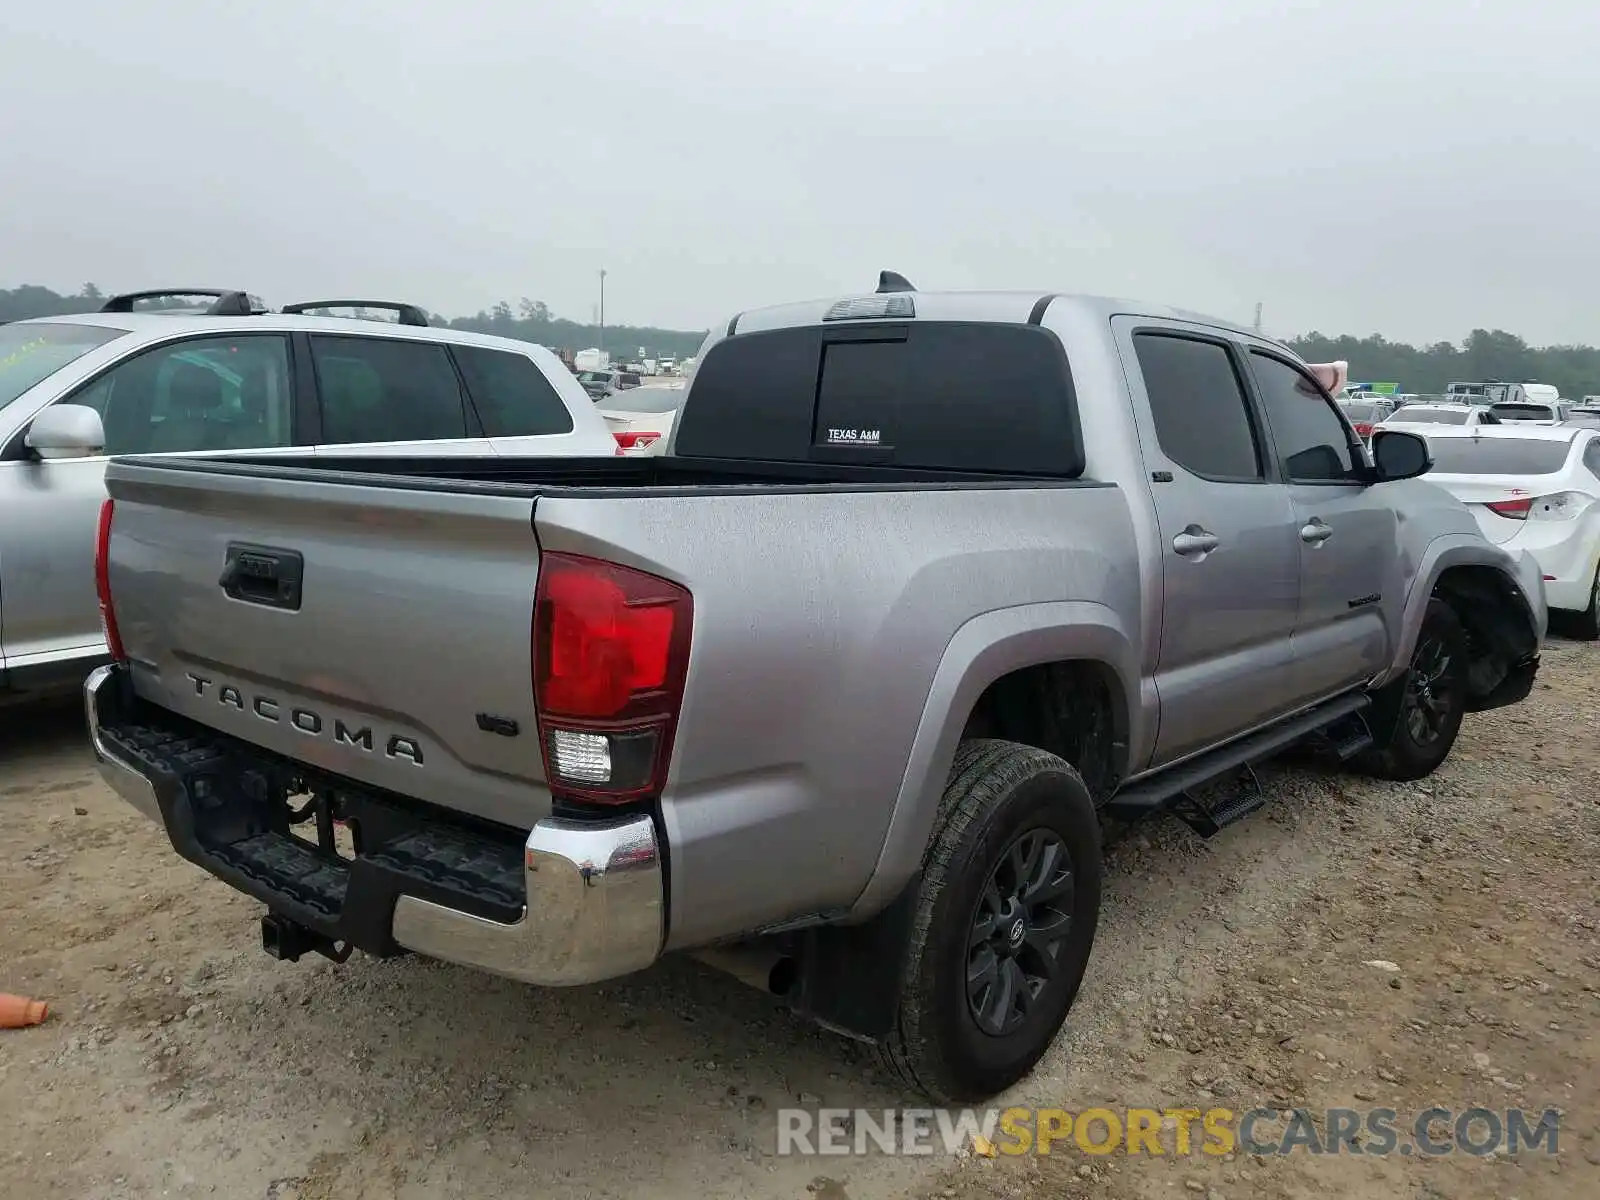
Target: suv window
x=1313 y=441
x=386 y=390
x=1201 y=414
x=207 y=393
x=510 y=393
x=936 y=395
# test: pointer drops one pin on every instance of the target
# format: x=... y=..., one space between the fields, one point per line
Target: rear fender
x=982 y=650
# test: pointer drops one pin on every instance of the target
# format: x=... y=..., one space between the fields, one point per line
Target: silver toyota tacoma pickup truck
x=836 y=693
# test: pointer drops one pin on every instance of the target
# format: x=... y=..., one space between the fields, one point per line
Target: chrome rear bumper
x=594 y=891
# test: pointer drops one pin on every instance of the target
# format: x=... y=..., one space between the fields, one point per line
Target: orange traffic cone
x=18 y=1011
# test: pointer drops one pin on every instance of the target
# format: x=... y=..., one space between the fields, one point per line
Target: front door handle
x=1195 y=542
x=1314 y=533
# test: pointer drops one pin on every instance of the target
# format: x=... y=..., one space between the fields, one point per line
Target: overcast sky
x=1414 y=168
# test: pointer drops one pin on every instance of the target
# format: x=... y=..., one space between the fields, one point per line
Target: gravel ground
x=179 y=1060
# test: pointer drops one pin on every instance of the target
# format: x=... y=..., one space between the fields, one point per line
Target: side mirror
x=1399 y=455
x=67 y=431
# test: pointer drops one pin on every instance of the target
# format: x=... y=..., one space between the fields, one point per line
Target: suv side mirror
x=1399 y=455
x=67 y=431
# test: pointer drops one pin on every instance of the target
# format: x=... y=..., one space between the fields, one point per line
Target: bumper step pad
x=225 y=807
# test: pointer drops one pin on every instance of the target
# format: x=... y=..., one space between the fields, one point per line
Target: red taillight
x=634 y=440
x=610 y=651
x=102 y=581
x=1516 y=510
x=1364 y=429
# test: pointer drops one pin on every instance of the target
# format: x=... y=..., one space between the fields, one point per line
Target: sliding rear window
x=937 y=395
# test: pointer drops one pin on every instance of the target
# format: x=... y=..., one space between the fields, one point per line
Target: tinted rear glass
x=30 y=354
x=1497 y=456
x=1357 y=411
x=935 y=395
x=1523 y=412
x=511 y=394
x=1431 y=416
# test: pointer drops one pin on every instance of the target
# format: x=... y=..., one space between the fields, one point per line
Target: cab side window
x=1313 y=440
x=1202 y=418
x=207 y=393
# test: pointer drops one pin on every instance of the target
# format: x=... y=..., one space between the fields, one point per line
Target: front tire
x=1415 y=719
x=1006 y=915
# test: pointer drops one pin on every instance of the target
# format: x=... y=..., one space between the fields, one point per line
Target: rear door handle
x=1314 y=533
x=1195 y=542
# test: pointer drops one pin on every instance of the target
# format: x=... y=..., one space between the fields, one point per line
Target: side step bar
x=1184 y=788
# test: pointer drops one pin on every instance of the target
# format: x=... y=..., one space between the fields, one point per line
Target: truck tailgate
x=403 y=658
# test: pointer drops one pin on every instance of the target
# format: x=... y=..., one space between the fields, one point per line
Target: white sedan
x=1534 y=488
x=641 y=418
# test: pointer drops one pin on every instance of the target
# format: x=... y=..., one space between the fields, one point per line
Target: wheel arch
x=1490 y=597
x=1026 y=646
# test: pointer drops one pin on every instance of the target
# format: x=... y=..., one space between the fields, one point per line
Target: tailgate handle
x=263 y=575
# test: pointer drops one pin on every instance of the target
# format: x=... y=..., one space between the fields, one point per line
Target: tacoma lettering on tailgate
x=307 y=720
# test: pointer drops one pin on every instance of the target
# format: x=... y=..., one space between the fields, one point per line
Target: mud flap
x=851 y=976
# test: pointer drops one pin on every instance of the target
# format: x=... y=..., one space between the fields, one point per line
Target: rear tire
x=1005 y=920
x=1415 y=719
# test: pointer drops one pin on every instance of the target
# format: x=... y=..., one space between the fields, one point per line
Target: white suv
x=229 y=376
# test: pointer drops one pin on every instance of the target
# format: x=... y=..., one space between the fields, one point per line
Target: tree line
x=529 y=320
x=1485 y=354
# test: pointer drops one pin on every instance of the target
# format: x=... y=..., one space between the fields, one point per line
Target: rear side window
x=1497 y=456
x=1201 y=415
x=511 y=394
x=386 y=390
x=936 y=395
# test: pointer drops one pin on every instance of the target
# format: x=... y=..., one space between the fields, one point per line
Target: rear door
x=1230 y=563
x=390 y=396
x=1346 y=532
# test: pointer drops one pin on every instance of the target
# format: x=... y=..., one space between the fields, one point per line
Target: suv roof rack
x=405 y=314
x=225 y=302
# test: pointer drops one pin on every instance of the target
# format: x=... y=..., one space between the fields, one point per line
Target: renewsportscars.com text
x=1432 y=1132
